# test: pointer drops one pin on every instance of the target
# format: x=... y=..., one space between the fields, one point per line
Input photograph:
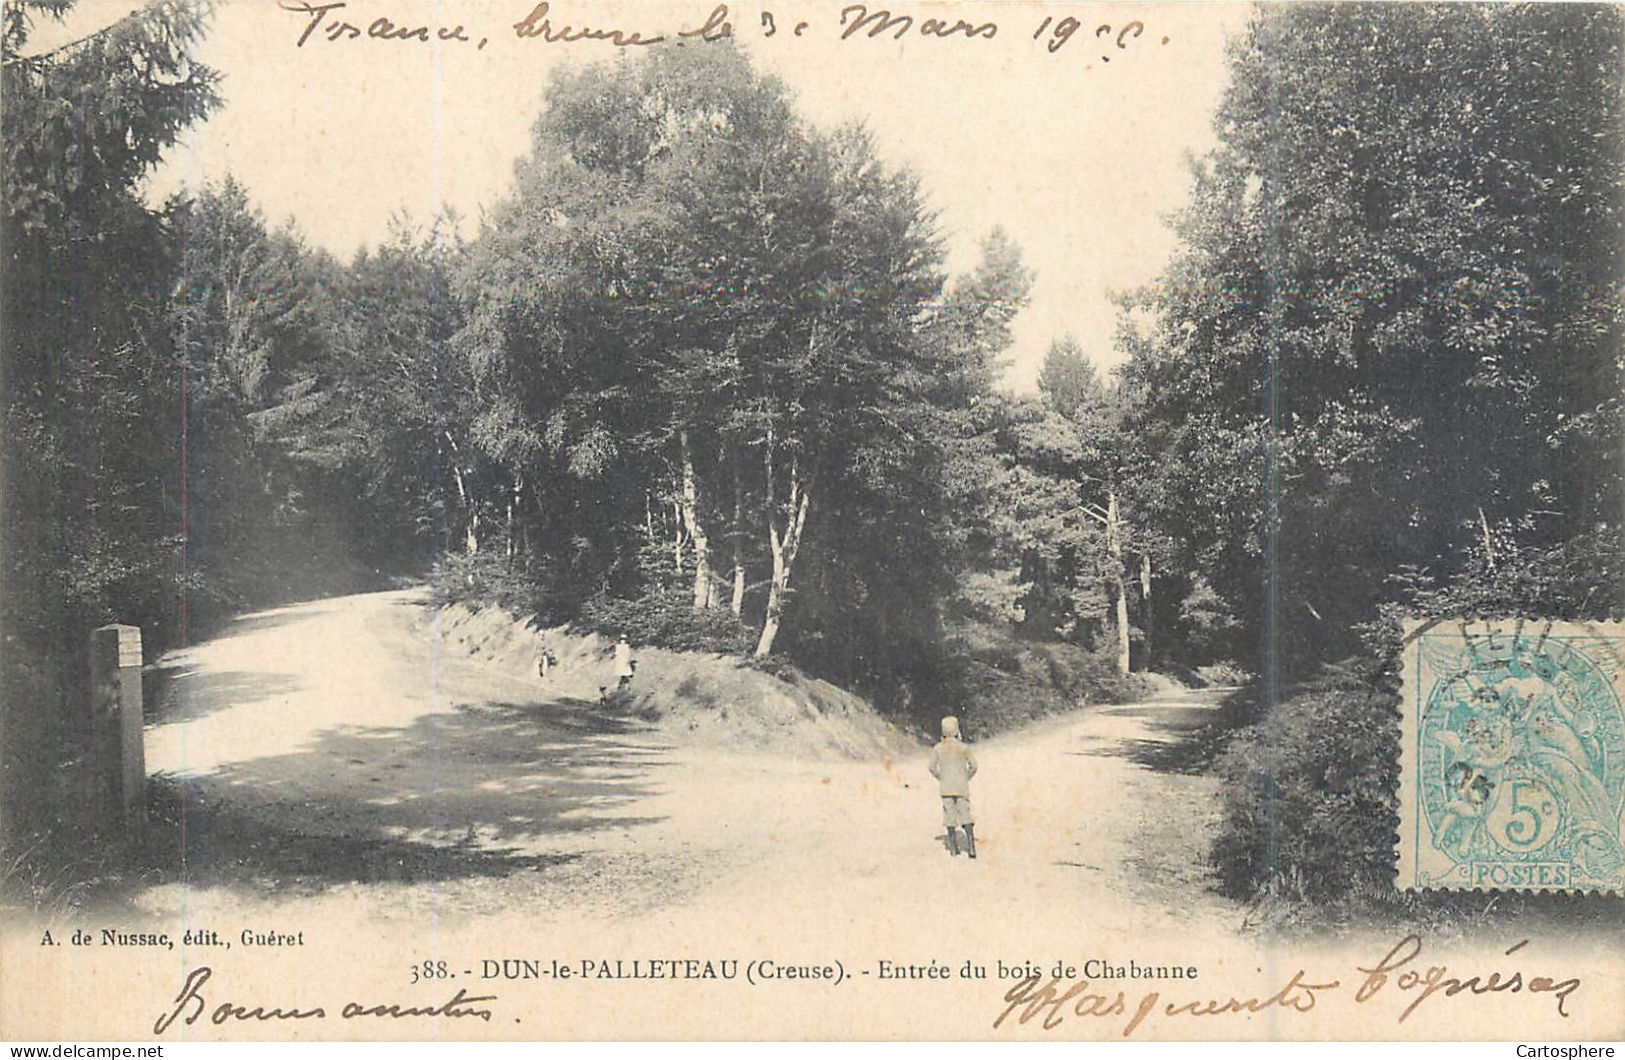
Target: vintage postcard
x=1003 y=521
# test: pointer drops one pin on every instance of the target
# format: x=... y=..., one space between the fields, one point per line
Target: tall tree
x=695 y=314
x=401 y=402
x=251 y=321
x=1394 y=321
x=1072 y=479
x=87 y=525
x=1067 y=379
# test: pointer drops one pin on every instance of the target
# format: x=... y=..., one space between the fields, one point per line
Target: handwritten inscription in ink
x=340 y=22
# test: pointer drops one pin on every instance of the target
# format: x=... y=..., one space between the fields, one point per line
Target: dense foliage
x=715 y=357
x=1393 y=327
x=1383 y=374
x=1309 y=806
x=91 y=486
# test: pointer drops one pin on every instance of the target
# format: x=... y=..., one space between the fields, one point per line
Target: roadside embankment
x=693 y=697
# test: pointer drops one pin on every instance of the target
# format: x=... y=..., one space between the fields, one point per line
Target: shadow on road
x=474 y=792
x=275 y=617
x=179 y=692
x=202 y=843
x=1183 y=740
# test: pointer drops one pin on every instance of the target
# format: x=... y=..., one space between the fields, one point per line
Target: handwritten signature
x=1397 y=972
x=190 y=1005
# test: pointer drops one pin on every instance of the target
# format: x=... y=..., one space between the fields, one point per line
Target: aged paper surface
x=375 y=818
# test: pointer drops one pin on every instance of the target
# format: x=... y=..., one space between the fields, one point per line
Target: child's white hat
x=950 y=728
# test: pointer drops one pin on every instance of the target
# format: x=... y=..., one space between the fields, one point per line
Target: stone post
x=116 y=762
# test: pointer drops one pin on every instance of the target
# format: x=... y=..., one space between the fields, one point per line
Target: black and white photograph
x=638 y=519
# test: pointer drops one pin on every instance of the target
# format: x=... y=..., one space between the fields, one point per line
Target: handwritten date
x=331 y=22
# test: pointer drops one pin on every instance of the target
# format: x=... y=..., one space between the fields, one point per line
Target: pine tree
x=89 y=495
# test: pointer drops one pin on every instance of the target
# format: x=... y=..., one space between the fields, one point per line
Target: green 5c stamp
x=1513 y=756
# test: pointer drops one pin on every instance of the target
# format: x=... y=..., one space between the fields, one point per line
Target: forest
x=703 y=377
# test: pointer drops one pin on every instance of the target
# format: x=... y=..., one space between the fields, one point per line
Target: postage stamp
x=1512 y=763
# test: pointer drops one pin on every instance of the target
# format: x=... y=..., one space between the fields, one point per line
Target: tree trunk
x=677 y=538
x=1114 y=547
x=696 y=532
x=737 y=603
x=471 y=528
x=784 y=557
x=471 y=533
x=783 y=546
x=515 y=495
x=1147 y=613
x=775 y=601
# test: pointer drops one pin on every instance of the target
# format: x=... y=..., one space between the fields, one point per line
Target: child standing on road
x=953 y=765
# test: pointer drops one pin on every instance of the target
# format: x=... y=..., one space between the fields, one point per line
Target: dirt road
x=329 y=754
x=354 y=812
